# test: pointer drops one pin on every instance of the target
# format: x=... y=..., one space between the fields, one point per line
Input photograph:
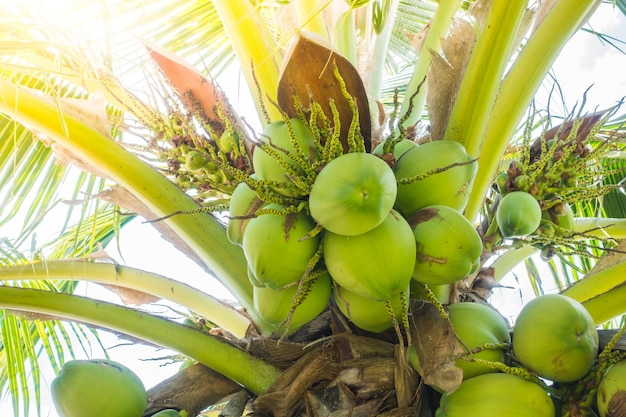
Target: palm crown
x=156 y=137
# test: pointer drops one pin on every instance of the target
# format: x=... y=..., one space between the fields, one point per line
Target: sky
x=584 y=63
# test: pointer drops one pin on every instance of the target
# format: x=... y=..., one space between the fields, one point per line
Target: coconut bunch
x=546 y=176
x=349 y=232
x=325 y=217
x=198 y=139
x=554 y=362
x=376 y=235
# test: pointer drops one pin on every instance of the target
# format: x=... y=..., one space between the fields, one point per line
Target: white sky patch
x=586 y=62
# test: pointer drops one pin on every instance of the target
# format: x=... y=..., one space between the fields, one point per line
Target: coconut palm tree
x=130 y=122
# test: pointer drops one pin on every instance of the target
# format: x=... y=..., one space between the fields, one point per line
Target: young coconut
x=98 y=388
x=353 y=194
x=367 y=314
x=244 y=202
x=194 y=161
x=287 y=149
x=611 y=397
x=434 y=173
x=277 y=246
x=496 y=395
x=479 y=325
x=399 y=148
x=376 y=264
x=561 y=216
x=448 y=247
x=518 y=214
x=556 y=337
x=290 y=308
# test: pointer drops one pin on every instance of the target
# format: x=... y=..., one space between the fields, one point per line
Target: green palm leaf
x=57 y=63
x=26 y=341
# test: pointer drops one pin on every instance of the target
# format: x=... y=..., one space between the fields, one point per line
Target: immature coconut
x=450 y=187
x=98 y=388
x=611 y=397
x=244 y=202
x=448 y=248
x=353 y=194
x=367 y=314
x=556 y=337
x=518 y=214
x=278 y=248
x=497 y=395
x=399 y=149
x=477 y=324
x=274 y=305
x=562 y=216
x=194 y=161
x=376 y=264
x=292 y=150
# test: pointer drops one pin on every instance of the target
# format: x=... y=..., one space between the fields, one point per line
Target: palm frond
x=411 y=17
x=26 y=342
x=194 y=31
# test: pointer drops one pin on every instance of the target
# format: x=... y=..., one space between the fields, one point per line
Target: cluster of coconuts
x=198 y=168
x=522 y=211
x=379 y=226
x=554 y=339
x=534 y=189
x=100 y=388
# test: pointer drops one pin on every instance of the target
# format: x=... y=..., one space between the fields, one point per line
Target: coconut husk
x=345 y=374
x=436 y=346
x=287 y=395
x=192 y=389
x=446 y=74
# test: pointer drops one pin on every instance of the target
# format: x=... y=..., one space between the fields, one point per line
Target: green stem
x=598 y=282
x=483 y=75
x=256 y=51
x=438 y=27
x=381 y=48
x=201 y=232
x=232 y=362
x=311 y=16
x=344 y=36
x=519 y=86
x=510 y=259
x=608 y=305
x=601 y=227
x=203 y=304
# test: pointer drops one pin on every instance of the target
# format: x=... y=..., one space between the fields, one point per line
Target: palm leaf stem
x=510 y=259
x=344 y=36
x=482 y=78
x=529 y=70
x=136 y=279
x=256 y=51
x=600 y=227
x=232 y=362
x=311 y=16
x=202 y=233
x=381 y=50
